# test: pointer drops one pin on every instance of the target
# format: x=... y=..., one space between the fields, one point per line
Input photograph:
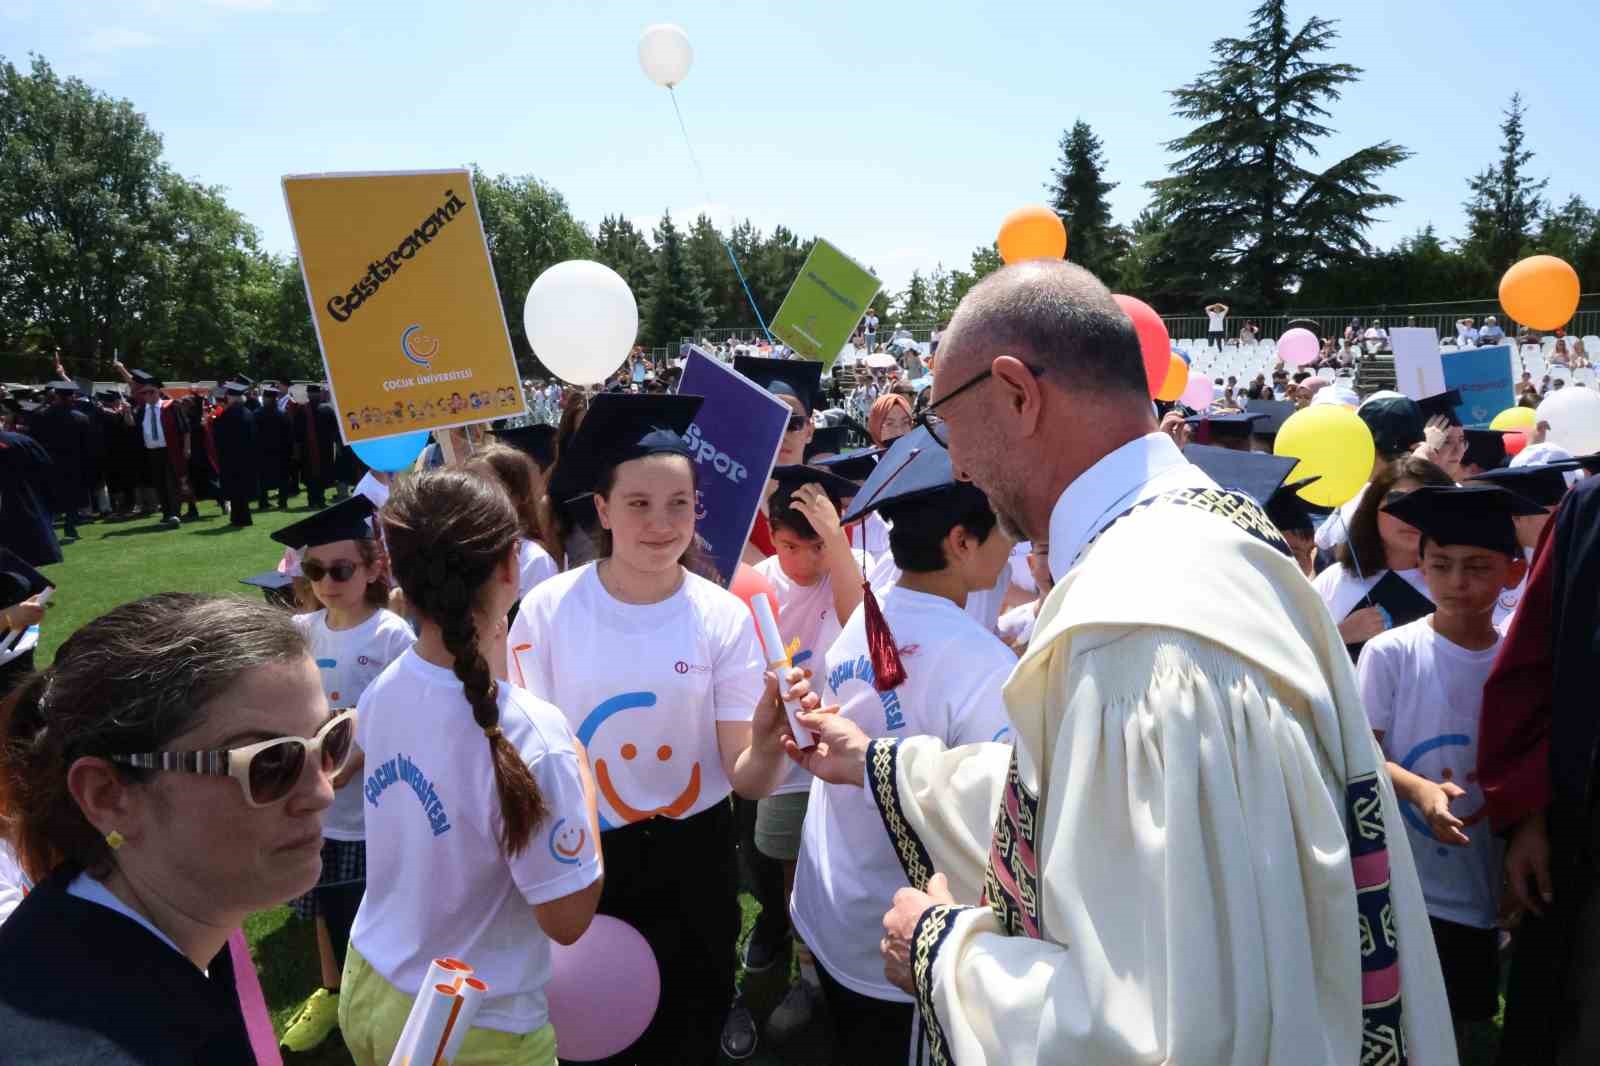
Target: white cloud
x=103 y=40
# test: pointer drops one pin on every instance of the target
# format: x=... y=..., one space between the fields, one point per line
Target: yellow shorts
x=372 y=1012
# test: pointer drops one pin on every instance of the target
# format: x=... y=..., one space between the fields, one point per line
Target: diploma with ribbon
x=441 y=1016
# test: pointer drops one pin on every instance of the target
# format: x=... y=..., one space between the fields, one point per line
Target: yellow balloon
x=1516 y=418
x=1175 y=382
x=1033 y=232
x=1333 y=445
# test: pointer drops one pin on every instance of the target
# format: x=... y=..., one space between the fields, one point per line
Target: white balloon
x=1574 y=418
x=665 y=53
x=581 y=320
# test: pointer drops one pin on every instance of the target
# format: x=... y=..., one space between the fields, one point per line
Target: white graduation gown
x=1171 y=877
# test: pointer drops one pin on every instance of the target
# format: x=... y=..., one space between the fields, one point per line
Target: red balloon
x=1154 y=342
x=747 y=584
x=1515 y=442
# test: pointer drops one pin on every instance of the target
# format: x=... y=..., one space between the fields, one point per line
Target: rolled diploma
x=445 y=971
x=778 y=660
x=439 y=1003
x=470 y=993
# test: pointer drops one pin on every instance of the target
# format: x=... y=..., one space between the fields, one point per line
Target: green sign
x=824 y=304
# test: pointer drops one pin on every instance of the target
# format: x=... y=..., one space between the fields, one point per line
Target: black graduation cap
x=1396 y=422
x=108 y=396
x=1399 y=600
x=1442 y=405
x=800 y=378
x=1227 y=427
x=1477 y=516
x=345 y=520
x=1542 y=483
x=314 y=389
x=269 y=389
x=912 y=468
x=618 y=427
x=18 y=580
x=826 y=440
x=144 y=377
x=857 y=465
x=790 y=478
x=1256 y=474
x=1289 y=511
x=1486 y=448
x=235 y=388
x=63 y=386
x=1273 y=413
x=269 y=581
x=537 y=441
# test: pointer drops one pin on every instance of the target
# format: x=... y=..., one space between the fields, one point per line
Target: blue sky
x=901 y=131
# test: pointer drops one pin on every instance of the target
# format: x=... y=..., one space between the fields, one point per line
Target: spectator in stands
x=1326 y=356
x=871 y=324
x=888 y=418
x=1216 y=324
x=1530 y=396
x=1280 y=384
x=1580 y=354
x=1376 y=338
x=1258 y=389
x=1352 y=330
x=1559 y=355
x=1248 y=334
x=1491 y=333
x=1347 y=355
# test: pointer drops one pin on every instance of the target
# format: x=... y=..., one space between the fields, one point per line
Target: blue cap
x=857 y=465
x=618 y=427
x=800 y=378
x=914 y=467
x=1544 y=484
x=1478 y=515
x=345 y=520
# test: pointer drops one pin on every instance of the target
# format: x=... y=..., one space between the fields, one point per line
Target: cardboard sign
x=404 y=300
x=735 y=440
x=1418 y=371
x=1485 y=380
x=824 y=304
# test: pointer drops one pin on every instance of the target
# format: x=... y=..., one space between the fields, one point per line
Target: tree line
x=105 y=249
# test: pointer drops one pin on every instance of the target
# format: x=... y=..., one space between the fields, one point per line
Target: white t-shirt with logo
x=1425 y=693
x=349 y=660
x=534 y=565
x=1215 y=320
x=807 y=620
x=848 y=871
x=642 y=685
x=1506 y=604
x=438 y=880
x=983 y=605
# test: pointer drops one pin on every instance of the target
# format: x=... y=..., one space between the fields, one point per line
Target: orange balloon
x=1034 y=232
x=1541 y=291
x=1175 y=382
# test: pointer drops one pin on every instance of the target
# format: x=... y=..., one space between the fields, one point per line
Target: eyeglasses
x=267 y=772
x=796 y=423
x=343 y=570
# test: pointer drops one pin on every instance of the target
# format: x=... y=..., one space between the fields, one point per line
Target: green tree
x=1078 y=191
x=915 y=306
x=1246 y=215
x=619 y=245
x=282 y=339
x=1506 y=204
x=724 y=296
x=773 y=268
x=985 y=261
x=1572 y=232
x=677 y=304
x=529 y=228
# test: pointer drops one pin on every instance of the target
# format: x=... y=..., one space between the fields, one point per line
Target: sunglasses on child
x=343 y=570
x=796 y=423
x=268 y=771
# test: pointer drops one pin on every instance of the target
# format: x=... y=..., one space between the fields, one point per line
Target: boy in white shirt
x=1422 y=684
x=921 y=666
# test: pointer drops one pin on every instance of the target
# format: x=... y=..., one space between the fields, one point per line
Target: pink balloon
x=1298 y=347
x=603 y=990
x=1199 y=393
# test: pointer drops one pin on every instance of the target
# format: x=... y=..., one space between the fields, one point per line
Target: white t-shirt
x=848 y=871
x=14 y=884
x=874 y=530
x=1505 y=607
x=534 y=565
x=1341 y=590
x=983 y=606
x=642 y=685
x=807 y=620
x=373 y=489
x=1016 y=625
x=350 y=660
x=438 y=880
x=1335 y=529
x=1215 y=320
x=1425 y=693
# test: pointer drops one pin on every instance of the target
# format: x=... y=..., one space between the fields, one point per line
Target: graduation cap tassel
x=888 y=672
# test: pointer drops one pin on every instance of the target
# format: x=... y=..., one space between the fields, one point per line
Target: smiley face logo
x=418 y=348
x=1439 y=767
x=566 y=842
x=629 y=752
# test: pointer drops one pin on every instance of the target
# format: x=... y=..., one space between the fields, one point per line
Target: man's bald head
x=1055 y=316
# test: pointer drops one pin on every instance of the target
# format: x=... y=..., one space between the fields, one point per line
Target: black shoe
x=739 y=1035
x=760 y=955
x=170 y=522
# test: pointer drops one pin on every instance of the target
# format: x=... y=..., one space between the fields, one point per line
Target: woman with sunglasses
x=480 y=810
x=165 y=777
x=352 y=638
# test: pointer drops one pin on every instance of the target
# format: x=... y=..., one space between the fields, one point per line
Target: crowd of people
x=1110 y=748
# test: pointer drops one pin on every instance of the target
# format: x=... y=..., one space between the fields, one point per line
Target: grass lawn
x=117 y=562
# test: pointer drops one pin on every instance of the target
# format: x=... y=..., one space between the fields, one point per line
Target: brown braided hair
x=447 y=530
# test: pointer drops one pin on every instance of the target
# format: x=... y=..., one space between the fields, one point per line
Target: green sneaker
x=317 y=1018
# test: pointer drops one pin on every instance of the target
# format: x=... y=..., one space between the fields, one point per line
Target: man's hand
x=1528 y=864
x=839 y=755
x=1361 y=626
x=1433 y=800
x=769 y=727
x=900 y=925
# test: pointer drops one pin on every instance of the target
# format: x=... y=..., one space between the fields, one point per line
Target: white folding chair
x=1584 y=375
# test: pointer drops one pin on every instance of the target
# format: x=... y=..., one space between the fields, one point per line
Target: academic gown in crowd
x=124 y=450
x=316 y=434
x=64 y=433
x=275 y=445
x=238 y=454
x=25 y=525
x=99 y=987
x=1537 y=744
x=94 y=461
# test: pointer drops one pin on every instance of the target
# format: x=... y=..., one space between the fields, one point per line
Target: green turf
x=119 y=561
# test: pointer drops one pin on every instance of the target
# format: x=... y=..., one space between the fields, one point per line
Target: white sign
x=1418 y=367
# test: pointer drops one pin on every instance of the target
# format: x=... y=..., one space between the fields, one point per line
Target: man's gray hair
x=1058 y=317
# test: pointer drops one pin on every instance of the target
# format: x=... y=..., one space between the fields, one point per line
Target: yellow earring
x=115 y=840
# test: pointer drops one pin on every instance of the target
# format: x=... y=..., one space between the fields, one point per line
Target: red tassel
x=888 y=671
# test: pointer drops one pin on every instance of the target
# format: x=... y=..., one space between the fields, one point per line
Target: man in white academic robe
x=1193 y=855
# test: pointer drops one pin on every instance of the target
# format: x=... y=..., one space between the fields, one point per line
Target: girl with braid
x=480 y=810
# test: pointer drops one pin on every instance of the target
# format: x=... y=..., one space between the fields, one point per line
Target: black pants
x=764 y=875
x=675 y=882
x=239 y=510
x=338 y=905
x=317 y=487
x=1214 y=340
x=163 y=479
x=865 y=1029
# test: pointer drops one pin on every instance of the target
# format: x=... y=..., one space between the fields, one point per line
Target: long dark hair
x=447 y=531
x=1362 y=551
x=519 y=475
x=132 y=680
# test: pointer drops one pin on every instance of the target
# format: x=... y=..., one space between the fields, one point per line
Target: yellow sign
x=404 y=300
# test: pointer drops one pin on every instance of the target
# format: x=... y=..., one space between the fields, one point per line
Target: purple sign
x=735 y=441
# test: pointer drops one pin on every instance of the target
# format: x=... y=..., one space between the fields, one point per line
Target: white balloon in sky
x=665 y=53
x=1573 y=415
x=581 y=320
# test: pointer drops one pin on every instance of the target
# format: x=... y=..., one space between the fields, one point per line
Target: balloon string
x=1349 y=544
x=705 y=189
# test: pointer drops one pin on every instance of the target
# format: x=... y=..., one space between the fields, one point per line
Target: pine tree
x=676 y=307
x=1506 y=204
x=619 y=245
x=724 y=297
x=1078 y=193
x=914 y=307
x=1246 y=215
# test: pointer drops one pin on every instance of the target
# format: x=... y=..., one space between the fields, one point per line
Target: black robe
x=275 y=442
x=25 y=525
x=65 y=434
x=86 y=986
x=316 y=452
x=234 y=433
